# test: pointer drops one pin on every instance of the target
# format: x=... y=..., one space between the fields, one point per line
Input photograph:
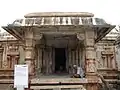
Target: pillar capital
x=90 y=34
x=29 y=42
x=28 y=32
x=38 y=36
x=89 y=38
x=80 y=36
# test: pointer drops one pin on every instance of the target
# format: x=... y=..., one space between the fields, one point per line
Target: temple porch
x=58 y=53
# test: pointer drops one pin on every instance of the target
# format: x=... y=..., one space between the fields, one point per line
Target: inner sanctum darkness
x=60 y=60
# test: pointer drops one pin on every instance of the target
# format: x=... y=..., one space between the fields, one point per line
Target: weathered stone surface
x=76 y=32
x=50 y=14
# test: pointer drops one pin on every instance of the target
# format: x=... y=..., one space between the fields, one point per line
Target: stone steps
x=5 y=87
x=59 y=87
x=110 y=76
x=112 y=81
x=59 y=81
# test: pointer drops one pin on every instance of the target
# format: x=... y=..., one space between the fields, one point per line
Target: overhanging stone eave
x=47 y=25
x=102 y=33
x=13 y=32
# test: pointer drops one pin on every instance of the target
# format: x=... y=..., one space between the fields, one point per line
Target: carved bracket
x=38 y=36
x=80 y=37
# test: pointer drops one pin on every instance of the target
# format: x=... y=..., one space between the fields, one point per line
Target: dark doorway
x=60 y=60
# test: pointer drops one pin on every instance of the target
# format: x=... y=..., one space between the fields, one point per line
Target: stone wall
x=118 y=56
x=107 y=64
x=106 y=54
x=9 y=56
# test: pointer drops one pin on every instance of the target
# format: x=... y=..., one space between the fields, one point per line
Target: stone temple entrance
x=58 y=53
x=60 y=60
x=78 y=33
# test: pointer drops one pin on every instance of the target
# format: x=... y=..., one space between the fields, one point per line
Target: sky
x=16 y=9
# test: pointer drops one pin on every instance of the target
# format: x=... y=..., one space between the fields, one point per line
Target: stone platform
x=58 y=83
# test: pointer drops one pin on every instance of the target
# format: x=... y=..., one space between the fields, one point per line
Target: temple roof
x=60 y=21
x=59 y=18
x=112 y=35
x=58 y=14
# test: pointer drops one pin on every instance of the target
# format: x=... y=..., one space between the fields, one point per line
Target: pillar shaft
x=90 y=51
x=91 y=71
x=29 y=51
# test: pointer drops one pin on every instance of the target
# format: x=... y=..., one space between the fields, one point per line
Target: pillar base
x=92 y=77
x=92 y=86
x=93 y=81
x=31 y=67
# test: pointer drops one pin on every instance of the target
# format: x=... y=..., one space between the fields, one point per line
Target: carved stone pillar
x=1 y=56
x=39 y=53
x=5 y=56
x=38 y=60
x=29 y=51
x=91 y=70
x=81 y=38
x=22 y=55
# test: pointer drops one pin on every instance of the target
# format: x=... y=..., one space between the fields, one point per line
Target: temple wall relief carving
x=106 y=55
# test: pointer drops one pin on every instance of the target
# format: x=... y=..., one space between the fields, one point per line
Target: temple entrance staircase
x=58 y=83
